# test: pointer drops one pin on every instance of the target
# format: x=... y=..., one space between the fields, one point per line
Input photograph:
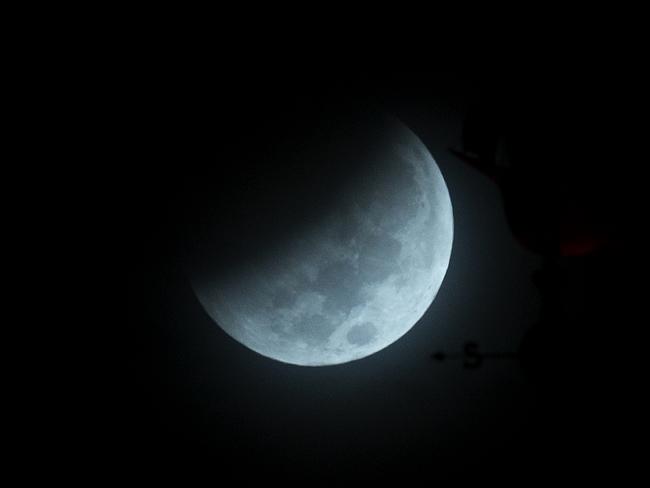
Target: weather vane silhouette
x=472 y=357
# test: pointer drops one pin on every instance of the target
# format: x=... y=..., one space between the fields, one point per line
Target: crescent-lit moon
x=355 y=280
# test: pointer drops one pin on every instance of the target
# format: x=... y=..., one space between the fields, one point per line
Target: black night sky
x=535 y=271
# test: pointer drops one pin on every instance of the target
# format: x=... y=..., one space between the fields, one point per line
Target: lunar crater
x=362 y=334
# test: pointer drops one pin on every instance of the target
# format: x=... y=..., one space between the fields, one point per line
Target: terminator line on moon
x=357 y=279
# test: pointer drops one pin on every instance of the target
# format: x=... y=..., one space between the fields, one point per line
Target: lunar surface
x=355 y=278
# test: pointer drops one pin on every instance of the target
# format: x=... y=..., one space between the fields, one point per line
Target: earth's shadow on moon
x=271 y=200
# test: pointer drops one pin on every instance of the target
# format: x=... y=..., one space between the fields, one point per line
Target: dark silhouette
x=539 y=144
x=472 y=357
x=564 y=196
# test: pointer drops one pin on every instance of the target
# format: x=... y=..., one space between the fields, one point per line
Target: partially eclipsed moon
x=358 y=277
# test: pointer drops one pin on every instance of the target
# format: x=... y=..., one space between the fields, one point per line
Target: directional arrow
x=471 y=356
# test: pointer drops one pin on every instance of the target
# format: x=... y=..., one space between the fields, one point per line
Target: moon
x=358 y=272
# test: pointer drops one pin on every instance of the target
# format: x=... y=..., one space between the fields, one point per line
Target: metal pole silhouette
x=472 y=358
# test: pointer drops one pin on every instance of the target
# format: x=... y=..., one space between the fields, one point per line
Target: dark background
x=186 y=399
